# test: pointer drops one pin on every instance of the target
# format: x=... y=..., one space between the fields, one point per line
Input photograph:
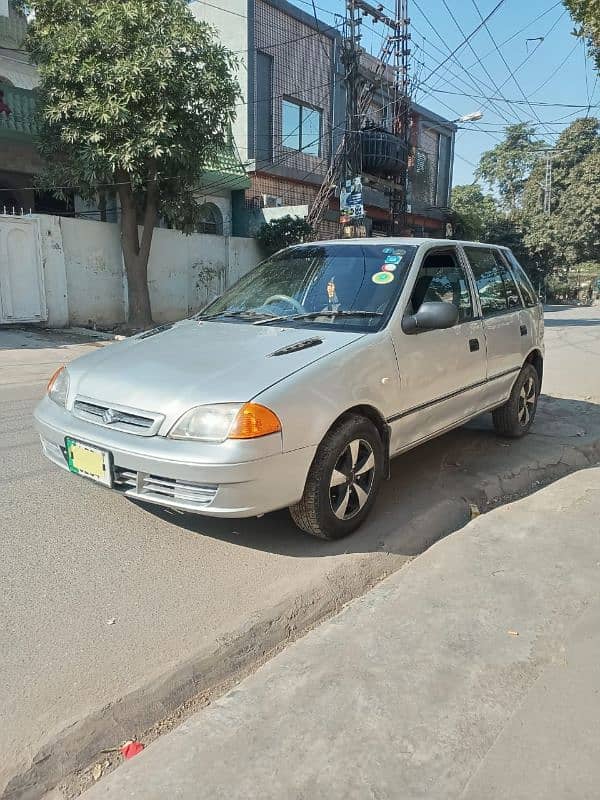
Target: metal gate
x=22 y=295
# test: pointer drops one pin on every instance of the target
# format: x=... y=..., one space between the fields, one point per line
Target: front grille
x=118 y=418
x=168 y=490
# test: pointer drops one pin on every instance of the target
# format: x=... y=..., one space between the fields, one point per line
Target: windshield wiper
x=316 y=314
x=263 y=317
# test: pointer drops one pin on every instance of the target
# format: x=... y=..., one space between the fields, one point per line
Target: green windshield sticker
x=382 y=277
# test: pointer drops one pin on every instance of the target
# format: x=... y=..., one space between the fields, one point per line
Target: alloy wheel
x=352 y=479
x=527 y=399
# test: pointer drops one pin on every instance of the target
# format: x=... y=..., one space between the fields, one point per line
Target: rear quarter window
x=530 y=297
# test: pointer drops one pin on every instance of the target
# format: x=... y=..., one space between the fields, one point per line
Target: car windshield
x=341 y=285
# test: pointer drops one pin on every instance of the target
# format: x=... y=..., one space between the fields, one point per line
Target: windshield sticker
x=388 y=268
x=382 y=277
x=392 y=259
x=387 y=251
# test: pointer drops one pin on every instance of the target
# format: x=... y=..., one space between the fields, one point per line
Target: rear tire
x=343 y=480
x=515 y=417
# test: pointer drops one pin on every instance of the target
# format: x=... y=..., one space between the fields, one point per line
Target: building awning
x=225 y=172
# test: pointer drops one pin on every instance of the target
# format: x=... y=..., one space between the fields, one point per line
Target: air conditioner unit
x=271 y=201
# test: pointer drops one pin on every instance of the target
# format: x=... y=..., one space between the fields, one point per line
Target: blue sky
x=552 y=71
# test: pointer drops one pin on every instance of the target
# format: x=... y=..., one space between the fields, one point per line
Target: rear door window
x=527 y=291
x=496 y=286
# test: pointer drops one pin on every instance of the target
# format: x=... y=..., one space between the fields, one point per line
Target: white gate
x=22 y=296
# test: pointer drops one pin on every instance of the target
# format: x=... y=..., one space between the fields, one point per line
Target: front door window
x=442 y=279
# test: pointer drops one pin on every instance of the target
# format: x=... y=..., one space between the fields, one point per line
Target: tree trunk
x=136 y=254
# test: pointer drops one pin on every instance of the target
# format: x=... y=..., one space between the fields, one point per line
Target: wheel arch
x=536 y=359
x=376 y=417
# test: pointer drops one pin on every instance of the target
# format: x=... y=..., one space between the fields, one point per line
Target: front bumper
x=208 y=479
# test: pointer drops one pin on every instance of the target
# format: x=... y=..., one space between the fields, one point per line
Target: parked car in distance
x=298 y=385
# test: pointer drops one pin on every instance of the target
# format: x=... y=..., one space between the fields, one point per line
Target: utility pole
x=548 y=184
x=401 y=124
x=346 y=169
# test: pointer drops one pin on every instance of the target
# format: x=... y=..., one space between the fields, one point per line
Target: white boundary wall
x=85 y=280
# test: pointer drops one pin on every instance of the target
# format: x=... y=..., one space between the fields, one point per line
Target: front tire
x=343 y=480
x=515 y=417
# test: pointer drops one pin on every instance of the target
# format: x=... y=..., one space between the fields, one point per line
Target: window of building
x=211 y=219
x=496 y=287
x=301 y=127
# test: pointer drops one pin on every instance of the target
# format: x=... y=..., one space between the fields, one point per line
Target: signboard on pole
x=351 y=200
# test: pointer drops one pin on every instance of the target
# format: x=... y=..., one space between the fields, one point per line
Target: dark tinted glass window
x=512 y=292
x=442 y=279
x=529 y=295
x=495 y=296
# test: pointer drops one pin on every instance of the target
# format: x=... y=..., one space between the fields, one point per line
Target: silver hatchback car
x=296 y=386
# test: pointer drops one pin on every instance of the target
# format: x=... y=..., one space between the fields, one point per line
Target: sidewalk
x=472 y=673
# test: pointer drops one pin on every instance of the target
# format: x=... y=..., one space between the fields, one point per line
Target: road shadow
x=432 y=487
x=37 y=338
x=570 y=323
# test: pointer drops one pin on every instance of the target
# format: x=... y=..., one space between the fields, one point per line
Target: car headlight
x=226 y=421
x=58 y=386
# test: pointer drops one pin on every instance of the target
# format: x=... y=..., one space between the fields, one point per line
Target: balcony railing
x=17 y=112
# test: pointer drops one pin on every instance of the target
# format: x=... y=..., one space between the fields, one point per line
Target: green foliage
x=587 y=14
x=475 y=213
x=283 y=232
x=570 y=234
x=506 y=166
x=135 y=93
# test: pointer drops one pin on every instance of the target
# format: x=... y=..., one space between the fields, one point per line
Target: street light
x=474 y=116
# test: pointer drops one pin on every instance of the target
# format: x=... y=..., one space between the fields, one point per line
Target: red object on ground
x=131 y=749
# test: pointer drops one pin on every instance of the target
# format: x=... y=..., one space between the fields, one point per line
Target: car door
x=501 y=307
x=441 y=371
x=531 y=316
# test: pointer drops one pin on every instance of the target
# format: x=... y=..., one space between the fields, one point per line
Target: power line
x=472 y=49
x=476 y=84
x=515 y=34
x=504 y=61
x=516 y=102
x=462 y=44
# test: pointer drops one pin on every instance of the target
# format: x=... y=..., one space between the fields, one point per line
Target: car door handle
x=523 y=330
x=473 y=345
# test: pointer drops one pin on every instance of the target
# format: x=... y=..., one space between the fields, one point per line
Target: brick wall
x=301 y=72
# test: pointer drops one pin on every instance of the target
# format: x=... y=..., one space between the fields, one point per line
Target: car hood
x=192 y=363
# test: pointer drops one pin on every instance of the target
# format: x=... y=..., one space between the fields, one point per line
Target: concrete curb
x=219 y=663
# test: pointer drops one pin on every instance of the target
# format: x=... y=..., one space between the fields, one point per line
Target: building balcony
x=17 y=112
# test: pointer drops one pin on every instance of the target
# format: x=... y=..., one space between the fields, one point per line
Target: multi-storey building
x=292 y=114
x=290 y=118
x=19 y=161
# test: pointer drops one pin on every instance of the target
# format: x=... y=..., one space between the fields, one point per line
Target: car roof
x=379 y=241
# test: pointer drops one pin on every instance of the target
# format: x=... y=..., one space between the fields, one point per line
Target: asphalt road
x=191 y=599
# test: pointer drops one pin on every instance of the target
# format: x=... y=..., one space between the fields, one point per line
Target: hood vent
x=294 y=348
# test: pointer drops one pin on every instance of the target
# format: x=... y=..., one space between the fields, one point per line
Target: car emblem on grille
x=109 y=416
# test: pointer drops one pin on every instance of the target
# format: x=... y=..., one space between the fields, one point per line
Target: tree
x=283 y=232
x=475 y=213
x=506 y=166
x=570 y=233
x=587 y=14
x=134 y=95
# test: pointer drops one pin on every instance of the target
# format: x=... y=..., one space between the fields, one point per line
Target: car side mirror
x=431 y=317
